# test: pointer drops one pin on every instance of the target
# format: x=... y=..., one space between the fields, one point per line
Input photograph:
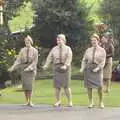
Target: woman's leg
x=58 y=96
x=108 y=75
x=90 y=97
x=100 y=94
x=0 y=93
x=30 y=97
x=108 y=82
x=26 y=96
x=69 y=96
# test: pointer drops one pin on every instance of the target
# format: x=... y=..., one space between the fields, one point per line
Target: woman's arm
x=69 y=57
x=110 y=52
x=84 y=61
x=48 y=60
x=17 y=62
x=103 y=59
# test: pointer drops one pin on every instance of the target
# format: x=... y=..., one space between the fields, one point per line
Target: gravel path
x=47 y=112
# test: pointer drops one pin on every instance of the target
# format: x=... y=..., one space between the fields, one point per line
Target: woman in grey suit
x=92 y=66
x=27 y=62
x=106 y=43
x=61 y=56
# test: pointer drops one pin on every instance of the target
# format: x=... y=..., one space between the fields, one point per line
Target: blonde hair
x=62 y=36
x=95 y=36
x=29 y=39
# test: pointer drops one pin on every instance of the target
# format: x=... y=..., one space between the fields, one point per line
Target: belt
x=26 y=62
x=58 y=63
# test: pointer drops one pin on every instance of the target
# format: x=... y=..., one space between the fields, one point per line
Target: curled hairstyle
x=29 y=39
x=62 y=36
x=95 y=36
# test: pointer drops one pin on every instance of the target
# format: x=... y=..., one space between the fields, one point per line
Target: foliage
x=110 y=13
x=94 y=10
x=9 y=11
x=53 y=17
x=62 y=16
x=24 y=18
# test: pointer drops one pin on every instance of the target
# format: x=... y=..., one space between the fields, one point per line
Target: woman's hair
x=29 y=38
x=95 y=36
x=62 y=36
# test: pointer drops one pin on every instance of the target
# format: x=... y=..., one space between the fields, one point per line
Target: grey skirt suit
x=60 y=79
x=93 y=79
x=27 y=60
x=27 y=78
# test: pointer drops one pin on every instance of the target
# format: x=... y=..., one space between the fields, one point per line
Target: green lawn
x=44 y=94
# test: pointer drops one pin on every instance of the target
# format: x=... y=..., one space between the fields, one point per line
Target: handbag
x=58 y=66
x=93 y=65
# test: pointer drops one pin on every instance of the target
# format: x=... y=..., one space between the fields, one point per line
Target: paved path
x=47 y=112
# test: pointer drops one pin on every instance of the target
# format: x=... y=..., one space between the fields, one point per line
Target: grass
x=44 y=94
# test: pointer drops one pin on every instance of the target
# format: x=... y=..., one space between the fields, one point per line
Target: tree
x=61 y=16
x=9 y=11
x=110 y=13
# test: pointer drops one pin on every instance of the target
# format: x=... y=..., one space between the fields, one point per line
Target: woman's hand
x=11 y=69
x=44 y=67
x=64 y=67
x=96 y=69
x=81 y=70
x=28 y=69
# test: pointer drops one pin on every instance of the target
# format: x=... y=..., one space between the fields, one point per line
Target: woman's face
x=104 y=40
x=27 y=42
x=59 y=41
x=94 y=42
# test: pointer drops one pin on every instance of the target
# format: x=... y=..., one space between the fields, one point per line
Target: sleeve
x=69 y=57
x=49 y=58
x=18 y=60
x=103 y=59
x=111 y=51
x=33 y=65
x=84 y=60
